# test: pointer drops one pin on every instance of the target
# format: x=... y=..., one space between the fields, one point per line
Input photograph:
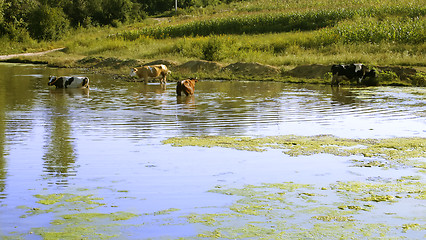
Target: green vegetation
x=394 y=151
x=283 y=34
x=75 y=216
x=291 y=210
x=288 y=22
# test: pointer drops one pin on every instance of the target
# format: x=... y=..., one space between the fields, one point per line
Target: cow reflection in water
x=70 y=92
x=59 y=148
x=189 y=101
x=343 y=96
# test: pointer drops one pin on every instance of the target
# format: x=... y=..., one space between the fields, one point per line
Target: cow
x=153 y=71
x=186 y=86
x=69 y=82
x=356 y=71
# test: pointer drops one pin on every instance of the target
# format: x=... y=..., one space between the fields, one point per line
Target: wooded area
x=50 y=19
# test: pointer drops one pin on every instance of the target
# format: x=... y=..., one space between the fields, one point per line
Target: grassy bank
x=280 y=34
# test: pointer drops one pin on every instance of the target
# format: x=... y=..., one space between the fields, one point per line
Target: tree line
x=51 y=19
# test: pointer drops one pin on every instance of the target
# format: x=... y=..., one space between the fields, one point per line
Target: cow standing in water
x=68 y=82
x=154 y=71
x=186 y=86
x=351 y=71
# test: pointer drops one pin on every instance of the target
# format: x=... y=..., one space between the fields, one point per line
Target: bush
x=419 y=79
x=388 y=77
x=115 y=11
x=47 y=23
x=211 y=50
x=16 y=31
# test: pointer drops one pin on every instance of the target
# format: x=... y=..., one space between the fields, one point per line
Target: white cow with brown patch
x=153 y=71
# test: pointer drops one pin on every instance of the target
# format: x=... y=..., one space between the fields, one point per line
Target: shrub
x=211 y=50
x=419 y=79
x=47 y=23
x=16 y=31
x=115 y=11
x=388 y=77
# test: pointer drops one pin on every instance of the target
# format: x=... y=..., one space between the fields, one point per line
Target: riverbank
x=202 y=69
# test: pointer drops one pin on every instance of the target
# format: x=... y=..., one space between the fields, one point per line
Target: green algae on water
x=78 y=217
x=334 y=211
x=392 y=151
x=49 y=199
x=165 y=211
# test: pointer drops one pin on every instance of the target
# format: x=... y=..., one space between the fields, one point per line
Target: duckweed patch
x=77 y=217
x=392 y=152
x=165 y=212
x=333 y=218
x=391 y=190
x=275 y=211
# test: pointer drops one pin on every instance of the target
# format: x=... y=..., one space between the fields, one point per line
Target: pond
x=94 y=159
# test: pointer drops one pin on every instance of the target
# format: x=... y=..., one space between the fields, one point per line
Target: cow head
x=133 y=72
x=52 y=80
x=372 y=73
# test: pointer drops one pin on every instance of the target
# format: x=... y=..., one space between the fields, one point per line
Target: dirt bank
x=313 y=73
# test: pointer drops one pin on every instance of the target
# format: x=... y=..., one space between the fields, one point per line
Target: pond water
x=106 y=142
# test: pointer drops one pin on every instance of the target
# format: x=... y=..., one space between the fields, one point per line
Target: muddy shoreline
x=247 y=71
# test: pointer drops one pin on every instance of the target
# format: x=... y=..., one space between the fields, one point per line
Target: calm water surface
x=107 y=141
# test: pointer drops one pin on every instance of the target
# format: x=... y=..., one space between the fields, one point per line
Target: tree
x=2 y=7
x=116 y=10
x=47 y=23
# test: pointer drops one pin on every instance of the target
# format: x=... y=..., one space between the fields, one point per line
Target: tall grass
x=270 y=22
x=372 y=30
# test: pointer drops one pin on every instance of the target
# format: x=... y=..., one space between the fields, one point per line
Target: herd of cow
x=358 y=72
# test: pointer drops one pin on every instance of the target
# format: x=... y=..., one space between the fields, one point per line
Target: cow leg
x=335 y=80
x=163 y=79
x=178 y=89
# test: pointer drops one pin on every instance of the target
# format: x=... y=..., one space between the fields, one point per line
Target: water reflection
x=71 y=92
x=16 y=94
x=343 y=95
x=2 y=143
x=60 y=153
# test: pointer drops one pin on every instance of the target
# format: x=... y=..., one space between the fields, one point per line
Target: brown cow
x=187 y=86
x=153 y=71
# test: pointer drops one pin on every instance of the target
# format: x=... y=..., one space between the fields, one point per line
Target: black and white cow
x=356 y=71
x=68 y=82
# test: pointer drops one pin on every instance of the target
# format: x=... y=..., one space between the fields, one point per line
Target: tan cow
x=153 y=71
